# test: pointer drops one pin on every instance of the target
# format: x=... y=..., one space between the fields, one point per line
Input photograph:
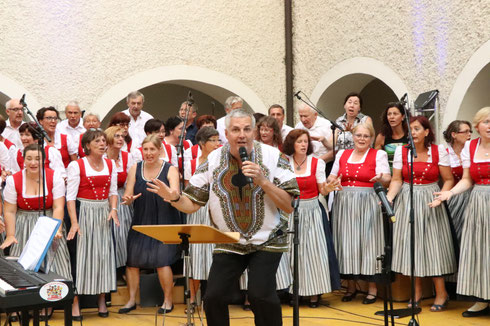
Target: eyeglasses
x=118 y=136
x=465 y=132
x=15 y=109
x=51 y=118
x=359 y=136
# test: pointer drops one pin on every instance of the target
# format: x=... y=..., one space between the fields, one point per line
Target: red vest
x=81 y=153
x=423 y=172
x=35 y=203
x=480 y=172
x=193 y=166
x=95 y=187
x=122 y=176
x=20 y=158
x=457 y=171
x=194 y=151
x=7 y=143
x=308 y=186
x=64 y=150
x=357 y=174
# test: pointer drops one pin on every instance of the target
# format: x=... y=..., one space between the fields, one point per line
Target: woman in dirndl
x=201 y=254
x=434 y=250
x=358 y=220
x=123 y=161
x=314 y=253
x=474 y=261
x=92 y=205
x=23 y=206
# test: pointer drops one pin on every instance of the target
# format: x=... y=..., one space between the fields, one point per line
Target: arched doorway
x=375 y=81
x=166 y=87
x=471 y=89
x=11 y=89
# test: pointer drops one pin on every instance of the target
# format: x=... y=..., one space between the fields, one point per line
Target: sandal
x=417 y=303
x=439 y=307
x=349 y=296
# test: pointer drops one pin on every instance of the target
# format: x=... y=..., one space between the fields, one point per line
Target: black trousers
x=226 y=270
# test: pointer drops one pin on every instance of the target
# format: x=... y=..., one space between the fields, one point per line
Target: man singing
x=258 y=211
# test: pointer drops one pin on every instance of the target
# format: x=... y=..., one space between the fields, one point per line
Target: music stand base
x=399 y=313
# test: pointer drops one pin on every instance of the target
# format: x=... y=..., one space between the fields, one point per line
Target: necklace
x=298 y=166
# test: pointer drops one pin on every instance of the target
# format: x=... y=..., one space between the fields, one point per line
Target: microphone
x=295 y=202
x=297 y=95
x=381 y=192
x=336 y=125
x=244 y=156
x=190 y=99
x=22 y=100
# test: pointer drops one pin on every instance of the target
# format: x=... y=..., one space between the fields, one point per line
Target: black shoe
x=479 y=313
x=13 y=318
x=165 y=310
x=104 y=314
x=349 y=296
x=247 y=307
x=369 y=301
x=77 y=318
x=126 y=310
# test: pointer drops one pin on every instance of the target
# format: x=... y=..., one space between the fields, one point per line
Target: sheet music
x=39 y=241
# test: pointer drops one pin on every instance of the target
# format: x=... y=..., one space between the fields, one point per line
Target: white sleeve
x=9 y=193
x=4 y=156
x=131 y=162
x=13 y=157
x=320 y=172
x=188 y=155
x=58 y=185
x=382 y=165
x=137 y=156
x=443 y=156
x=73 y=181
x=72 y=145
x=187 y=170
x=56 y=162
x=174 y=160
x=113 y=187
x=335 y=168
x=465 y=155
x=397 y=158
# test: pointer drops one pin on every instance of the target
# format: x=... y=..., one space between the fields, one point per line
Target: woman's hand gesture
x=8 y=242
x=127 y=200
x=74 y=229
x=161 y=189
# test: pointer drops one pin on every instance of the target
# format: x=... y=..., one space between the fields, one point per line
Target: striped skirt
x=125 y=216
x=313 y=267
x=434 y=251
x=457 y=206
x=358 y=232
x=474 y=261
x=96 y=259
x=58 y=258
x=201 y=253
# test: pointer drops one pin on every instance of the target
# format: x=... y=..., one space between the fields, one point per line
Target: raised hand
x=127 y=200
x=161 y=189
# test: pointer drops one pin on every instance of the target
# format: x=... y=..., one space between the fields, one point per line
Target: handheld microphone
x=22 y=100
x=381 y=192
x=244 y=156
x=297 y=95
x=190 y=99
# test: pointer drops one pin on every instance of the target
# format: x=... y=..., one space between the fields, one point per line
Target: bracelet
x=175 y=200
x=114 y=209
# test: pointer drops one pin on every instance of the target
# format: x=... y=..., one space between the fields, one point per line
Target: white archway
x=179 y=74
x=478 y=61
x=12 y=89
x=360 y=66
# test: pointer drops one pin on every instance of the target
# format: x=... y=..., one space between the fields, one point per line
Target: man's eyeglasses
x=51 y=118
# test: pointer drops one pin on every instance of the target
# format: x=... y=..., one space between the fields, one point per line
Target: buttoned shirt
x=321 y=128
x=137 y=127
x=65 y=128
x=12 y=134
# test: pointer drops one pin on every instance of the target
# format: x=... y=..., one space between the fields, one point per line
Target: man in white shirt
x=73 y=124
x=231 y=103
x=16 y=115
x=277 y=112
x=320 y=132
x=135 y=101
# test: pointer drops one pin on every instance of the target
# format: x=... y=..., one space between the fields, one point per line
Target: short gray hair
x=239 y=113
x=232 y=100
x=135 y=94
x=90 y=114
x=8 y=104
x=73 y=103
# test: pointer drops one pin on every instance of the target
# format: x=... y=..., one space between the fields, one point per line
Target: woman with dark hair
x=150 y=209
x=207 y=139
x=48 y=118
x=173 y=130
x=92 y=203
x=393 y=130
x=168 y=153
x=351 y=118
x=29 y=135
x=358 y=222
x=474 y=271
x=456 y=135
x=122 y=120
x=317 y=262
x=201 y=122
x=268 y=132
x=23 y=195
x=434 y=250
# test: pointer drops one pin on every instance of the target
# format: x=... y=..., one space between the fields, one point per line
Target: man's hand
x=253 y=171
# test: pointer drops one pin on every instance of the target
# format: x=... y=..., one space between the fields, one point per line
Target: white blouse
x=382 y=165
x=73 y=182
x=119 y=168
x=10 y=193
x=70 y=143
x=320 y=169
x=465 y=155
x=443 y=157
x=454 y=160
x=5 y=159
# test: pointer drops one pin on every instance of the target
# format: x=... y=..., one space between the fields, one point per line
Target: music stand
x=184 y=234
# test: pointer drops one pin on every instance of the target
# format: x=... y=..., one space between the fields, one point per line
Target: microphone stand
x=180 y=145
x=295 y=233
